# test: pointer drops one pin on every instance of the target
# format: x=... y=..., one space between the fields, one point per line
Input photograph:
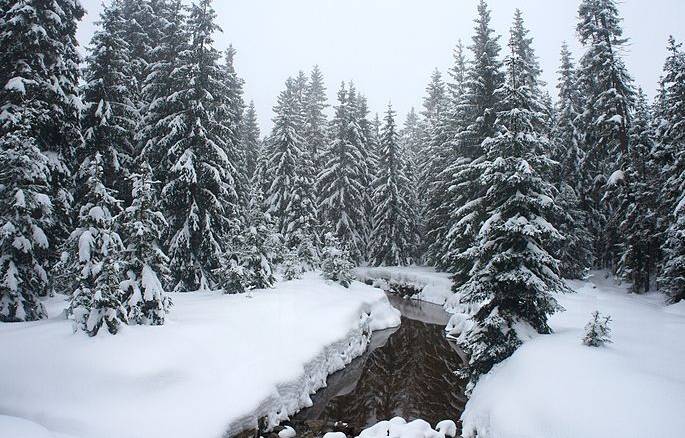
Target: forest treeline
x=142 y=169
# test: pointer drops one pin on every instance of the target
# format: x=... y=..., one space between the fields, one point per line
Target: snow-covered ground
x=436 y=287
x=553 y=386
x=217 y=365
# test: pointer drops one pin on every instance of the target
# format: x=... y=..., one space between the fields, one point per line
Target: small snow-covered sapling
x=597 y=331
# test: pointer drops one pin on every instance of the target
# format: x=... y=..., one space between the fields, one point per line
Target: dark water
x=407 y=372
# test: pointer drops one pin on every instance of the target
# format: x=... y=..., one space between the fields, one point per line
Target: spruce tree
x=26 y=216
x=669 y=156
x=249 y=263
x=110 y=114
x=392 y=239
x=575 y=253
x=290 y=197
x=605 y=122
x=145 y=264
x=442 y=153
x=92 y=254
x=229 y=115
x=200 y=198
x=315 y=121
x=478 y=111
x=39 y=73
x=514 y=277
x=637 y=209
x=251 y=139
x=161 y=89
x=341 y=182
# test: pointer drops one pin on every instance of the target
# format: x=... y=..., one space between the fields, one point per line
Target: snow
x=399 y=428
x=447 y=428
x=219 y=363
x=436 y=287
x=616 y=177
x=553 y=386
x=287 y=432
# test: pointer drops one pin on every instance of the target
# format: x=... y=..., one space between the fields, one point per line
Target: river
x=407 y=371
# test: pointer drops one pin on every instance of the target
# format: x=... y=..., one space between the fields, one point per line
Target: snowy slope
x=554 y=387
x=219 y=363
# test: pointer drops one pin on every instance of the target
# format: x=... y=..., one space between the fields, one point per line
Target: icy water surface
x=407 y=372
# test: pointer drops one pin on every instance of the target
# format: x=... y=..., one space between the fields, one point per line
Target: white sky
x=390 y=47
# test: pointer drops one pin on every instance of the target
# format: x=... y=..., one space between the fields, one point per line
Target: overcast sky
x=390 y=47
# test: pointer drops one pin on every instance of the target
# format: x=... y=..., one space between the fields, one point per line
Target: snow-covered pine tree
x=249 y=262
x=370 y=160
x=443 y=147
x=140 y=25
x=410 y=151
x=110 y=115
x=161 y=89
x=251 y=139
x=336 y=264
x=145 y=264
x=637 y=209
x=230 y=114
x=200 y=196
x=514 y=277
x=607 y=93
x=290 y=196
x=25 y=215
x=597 y=331
x=434 y=104
x=341 y=182
x=39 y=75
x=315 y=121
x=392 y=239
x=478 y=112
x=575 y=253
x=670 y=157
x=91 y=256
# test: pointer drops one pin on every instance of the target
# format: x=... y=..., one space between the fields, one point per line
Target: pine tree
x=336 y=264
x=637 y=209
x=341 y=182
x=92 y=253
x=392 y=239
x=441 y=151
x=315 y=121
x=607 y=100
x=161 y=89
x=670 y=157
x=139 y=26
x=575 y=253
x=514 y=275
x=290 y=197
x=251 y=139
x=410 y=151
x=39 y=73
x=367 y=154
x=249 y=263
x=200 y=198
x=145 y=264
x=26 y=215
x=478 y=111
x=230 y=114
x=110 y=114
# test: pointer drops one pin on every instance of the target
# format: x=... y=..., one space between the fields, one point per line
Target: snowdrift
x=220 y=363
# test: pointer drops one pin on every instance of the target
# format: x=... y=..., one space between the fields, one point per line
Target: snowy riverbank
x=219 y=363
x=553 y=386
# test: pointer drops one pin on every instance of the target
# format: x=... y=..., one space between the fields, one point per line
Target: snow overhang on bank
x=220 y=363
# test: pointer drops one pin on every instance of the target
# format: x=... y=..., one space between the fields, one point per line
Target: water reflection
x=407 y=371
